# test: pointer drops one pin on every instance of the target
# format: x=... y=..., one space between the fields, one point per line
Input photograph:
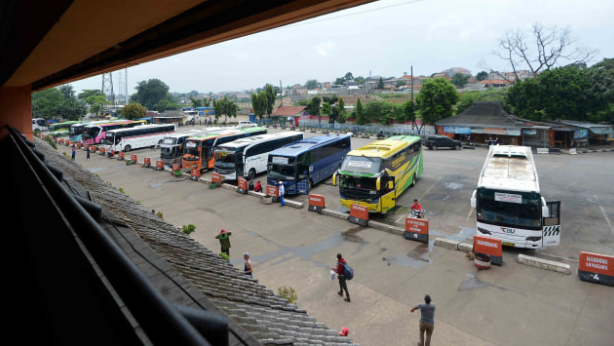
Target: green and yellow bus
x=61 y=129
x=375 y=175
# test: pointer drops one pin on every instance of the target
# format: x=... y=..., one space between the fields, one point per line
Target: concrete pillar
x=16 y=110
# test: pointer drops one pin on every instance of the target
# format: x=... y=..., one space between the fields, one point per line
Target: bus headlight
x=483 y=231
x=534 y=238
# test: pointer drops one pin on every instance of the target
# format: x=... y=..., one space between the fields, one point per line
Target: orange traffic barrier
x=101 y=151
x=316 y=203
x=597 y=268
x=359 y=215
x=147 y=162
x=216 y=178
x=272 y=190
x=159 y=166
x=133 y=158
x=489 y=246
x=120 y=156
x=242 y=185
x=194 y=174
x=416 y=229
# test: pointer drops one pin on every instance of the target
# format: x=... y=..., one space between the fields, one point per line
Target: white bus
x=137 y=137
x=508 y=202
x=39 y=124
x=248 y=156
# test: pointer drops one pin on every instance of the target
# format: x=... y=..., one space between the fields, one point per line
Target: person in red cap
x=224 y=238
x=344 y=331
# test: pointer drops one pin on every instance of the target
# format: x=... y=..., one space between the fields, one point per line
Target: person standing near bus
x=248 y=269
x=427 y=320
x=87 y=150
x=340 y=270
x=224 y=238
x=74 y=153
x=282 y=191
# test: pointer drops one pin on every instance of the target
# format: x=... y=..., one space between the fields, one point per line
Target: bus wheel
x=252 y=174
x=127 y=148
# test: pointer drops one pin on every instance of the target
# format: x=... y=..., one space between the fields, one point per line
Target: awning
x=601 y=130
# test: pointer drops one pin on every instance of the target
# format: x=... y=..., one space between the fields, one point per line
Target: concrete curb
x=386 y=228
x=447 y=243
x=465 y=247
x=544 y=264
x=335 y=214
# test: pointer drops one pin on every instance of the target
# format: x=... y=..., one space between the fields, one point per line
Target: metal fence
x=363 y=129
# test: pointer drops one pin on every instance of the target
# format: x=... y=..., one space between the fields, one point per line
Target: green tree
x=150 y=92
x=481 y=76
x=360 y=116
x=348 y=76
x=460 y=80
x=400 y=83
x=133 y=111
x=325 y=109
x=45 y=102
x=341 y=112
x=68 y=91
x=312 y=84
x=197 y=102
x=380 y=84
x=313 y=108
x=436 y=100
x=271 y=95
x=95 y=98
x=607 y=63
x=166 y=105
x=339 y=81
x=259 y=103
x=360 y=80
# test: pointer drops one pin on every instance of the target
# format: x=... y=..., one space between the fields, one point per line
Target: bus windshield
x=348 y=181
x=225 y=159
x=91 y=132
x=191 y=148
x=362 y=165
x=169 y=140
x=511 y=208
x=281 y=172
x=109 y=138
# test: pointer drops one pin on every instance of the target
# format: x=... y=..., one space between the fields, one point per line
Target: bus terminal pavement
x=508 y=305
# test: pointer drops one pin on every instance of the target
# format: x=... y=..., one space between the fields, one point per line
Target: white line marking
x=427 y=191
x=605 y=216
x=469 y=215
x=399 y=219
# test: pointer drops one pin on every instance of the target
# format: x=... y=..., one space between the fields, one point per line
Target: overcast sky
x=383 y=38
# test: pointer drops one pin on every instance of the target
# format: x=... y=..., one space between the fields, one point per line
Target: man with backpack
x=344 y=273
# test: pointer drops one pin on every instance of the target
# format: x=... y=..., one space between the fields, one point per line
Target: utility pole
x=412 y=84
x=281 y=92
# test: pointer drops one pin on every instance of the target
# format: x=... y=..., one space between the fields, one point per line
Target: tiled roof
x=494 y=81
x=483 y=113
x=288 y=111
x=257 y=310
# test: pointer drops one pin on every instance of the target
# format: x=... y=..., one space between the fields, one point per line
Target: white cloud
x=324 y=48
x=240 y=55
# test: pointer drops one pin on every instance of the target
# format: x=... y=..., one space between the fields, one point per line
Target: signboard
x=532 y=132
x=316 y=203
x=508 y=198
x=457 y=130
x=242 y=185
x=159 y=166
x=359 y=215
x=416 y=229
x=120 y=156
x=489 y=246
x=502 y=132
x=216 y=178
x=582 y=133
x=190 y=144
x=271 y=190
x=280 y=160
x=360 y=164
x=513 y=132
x=133 y=158
x=194 y=174
x=596 y=268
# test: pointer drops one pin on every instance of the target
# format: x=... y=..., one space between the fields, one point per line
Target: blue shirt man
x=427 y=320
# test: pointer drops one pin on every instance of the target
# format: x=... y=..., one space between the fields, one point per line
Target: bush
x=50 y=140
x=224 y=256
x=160 y=215
x=189 y=229
x=121 y=189
x=288 y=293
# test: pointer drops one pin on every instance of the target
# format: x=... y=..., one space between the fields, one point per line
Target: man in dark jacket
x=340 y=270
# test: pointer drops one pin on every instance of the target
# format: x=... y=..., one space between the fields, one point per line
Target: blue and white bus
x=301 y=165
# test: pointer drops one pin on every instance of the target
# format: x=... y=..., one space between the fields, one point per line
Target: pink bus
x=95 y=133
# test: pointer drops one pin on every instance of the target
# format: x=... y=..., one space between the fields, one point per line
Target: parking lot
x=295 y=248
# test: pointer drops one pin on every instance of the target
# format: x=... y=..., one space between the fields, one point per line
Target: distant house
x=441 y=75
x=495 y=83
x=454 y=70
x=289 y=111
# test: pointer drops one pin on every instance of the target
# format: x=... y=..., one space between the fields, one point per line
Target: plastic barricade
x=416 y=229
x=359 y=215
x=596 y=268
x=242 y=185
x=316 y=203
x=489 y=246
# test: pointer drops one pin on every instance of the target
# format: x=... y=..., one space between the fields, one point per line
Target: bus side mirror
x=378 y=183
x=335 y=179
x=473 y=200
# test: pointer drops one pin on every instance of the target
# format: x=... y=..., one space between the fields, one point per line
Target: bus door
x=387 y=192
x=552 y=225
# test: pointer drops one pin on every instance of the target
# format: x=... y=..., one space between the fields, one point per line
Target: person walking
x=282 y=191
x=224 y=238
x=88 y=152
x=74 y=153
x=427 y=320
x=340 y=270
x=248 y=269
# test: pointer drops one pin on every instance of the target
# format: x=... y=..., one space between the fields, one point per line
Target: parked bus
x=76 y=130
x=376 y=174
x=39 y=124
x=171 y=149
x=61 y=129
x=508 y=202
x=249 y=156
x=198 y=150
x=94 y=134
x=137 y=137
x=303 y=164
